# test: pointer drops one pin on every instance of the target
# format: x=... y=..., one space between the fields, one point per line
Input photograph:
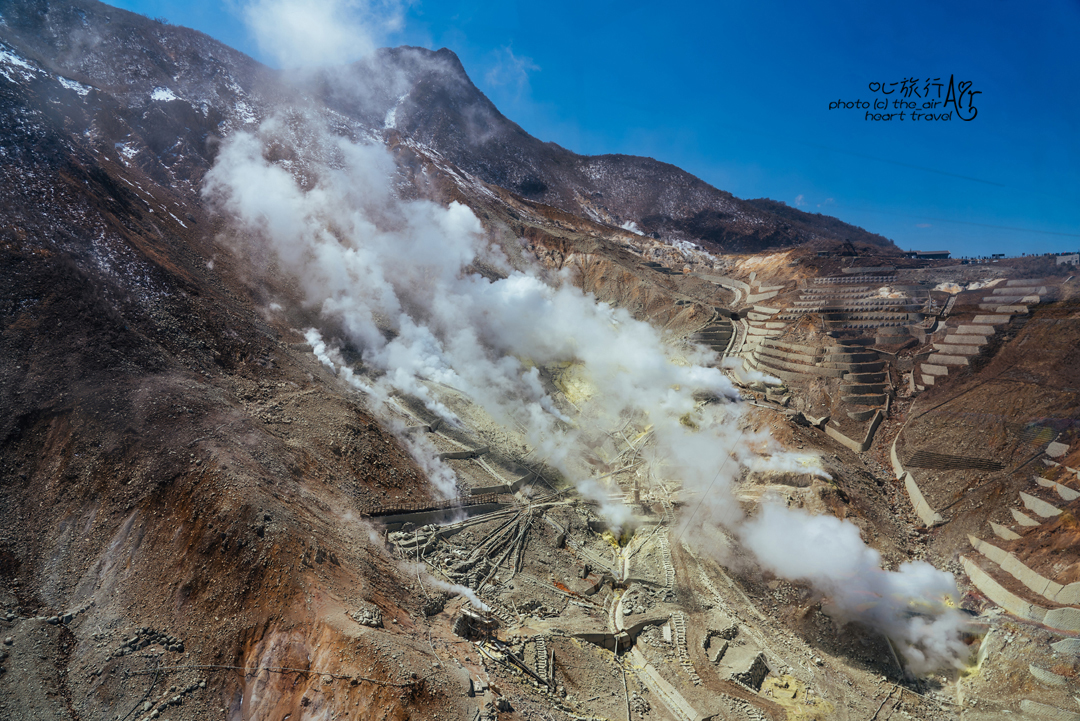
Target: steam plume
x=392 y=278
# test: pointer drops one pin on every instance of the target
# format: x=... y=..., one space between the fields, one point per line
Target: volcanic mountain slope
x=177 y=89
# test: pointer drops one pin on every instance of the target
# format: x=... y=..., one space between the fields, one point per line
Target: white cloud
x=510 y=70
x=305 y=33
x=800 y=200
x=923 y=225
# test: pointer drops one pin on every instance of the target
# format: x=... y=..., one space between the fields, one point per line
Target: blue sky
x=739 y=93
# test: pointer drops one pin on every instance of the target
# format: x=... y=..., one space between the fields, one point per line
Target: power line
x=958 y=222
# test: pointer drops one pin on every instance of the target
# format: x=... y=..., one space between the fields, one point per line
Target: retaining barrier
x=1022 y=519
x=1039 y=506
x=1000 y=595
x=926 y=514
x=851 y=443
x=1004 y=533
x=1050 y=590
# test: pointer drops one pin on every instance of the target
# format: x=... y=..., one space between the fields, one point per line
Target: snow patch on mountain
x=11 y=62
x=163 y=95
x=74 y=85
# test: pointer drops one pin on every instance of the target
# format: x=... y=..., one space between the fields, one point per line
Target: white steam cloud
x=458 y=589
x=303 y=33
x=392 y=278
x=908 y=604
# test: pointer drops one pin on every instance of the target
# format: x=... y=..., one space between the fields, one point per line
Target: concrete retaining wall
x=866 y=399
x=1068 y=645
x=793 y=347
x=1050 y=713
x=787 y=376
x=850 y=357
x=876 y=269
x=1051 y=591
x=926 y=514
x=1063 y=619
x=1066 y=493
x=1039 y=506
x=1057 y=450
x=724 y=280
x=1022 y=519
x=851 y=443
x=871 y=367
x=1046 y=677
x=952 y=349
x=1001 y=595
x=969 y=339
x=948 y=360
x=897 y=467
x=1020 y=290
x=1004 y=533
x=794 y=357
x=863 y=377
x=968 y=329
x=758 y=297
x=772 y=362
x=862 y=388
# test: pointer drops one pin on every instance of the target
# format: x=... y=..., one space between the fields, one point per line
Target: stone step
x=862 y=388
x=792 y=347
x=761 y=331
x=927 y=380
x=857 y=367
x=1023 y=519
x=1039 y=506
x=992 y=319
x=969 y=329
x=862 y=415
x=1004 y=533
x=947 y=360
x=1026 y=282
x=792 y=356
x=864 y=377
x=864 y=400
x=850 y=358
x=1021 y=290
x=969 y=339
x=951 y=349
x=1012 y=309
x=1010 y=299
x=934 y=370
x=1065 y=492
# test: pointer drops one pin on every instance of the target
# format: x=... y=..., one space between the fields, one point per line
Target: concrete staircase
x=717 y=333
x=1044 y=600
x=678 y=632
x=1014 y=295
x=966 y=340
x=847 y=303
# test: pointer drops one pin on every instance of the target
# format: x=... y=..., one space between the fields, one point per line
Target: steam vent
x=346 y=398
